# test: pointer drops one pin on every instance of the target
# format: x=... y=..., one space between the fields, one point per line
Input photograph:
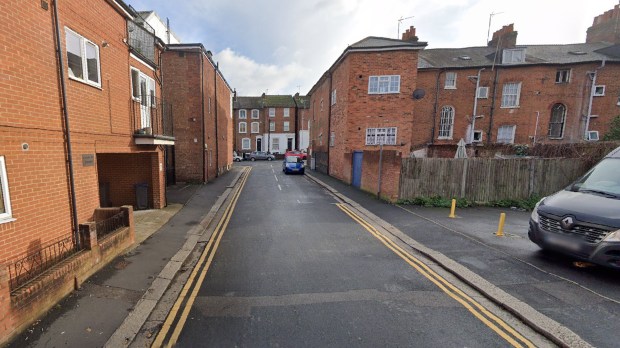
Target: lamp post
x=473 y=117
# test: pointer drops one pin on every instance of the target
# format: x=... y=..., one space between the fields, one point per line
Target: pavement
x=512 y=267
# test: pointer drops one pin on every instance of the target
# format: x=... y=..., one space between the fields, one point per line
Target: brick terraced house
x=268 y=123
x=82 y=126
x=201 y=101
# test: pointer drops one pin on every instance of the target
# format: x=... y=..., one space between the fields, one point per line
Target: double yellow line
x=175 y=320
x=489 y=319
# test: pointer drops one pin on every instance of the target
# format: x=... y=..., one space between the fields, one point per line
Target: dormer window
x=513 y=56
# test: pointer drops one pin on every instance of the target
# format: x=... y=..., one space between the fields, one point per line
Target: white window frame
x=593 y=136
x=287 y=112
x=450 y=82
x=477 y=139
x=254 y=127
x=243 y=129
x=272 y=112
x=272 y=126
x=374 y=136
x=599 y=90
x=384 y=84
x=504 y=139
x=243 y=114
x=513 y=56
x=249 y=144
x=150 y=86
x=482 y=95
x=551 y=122
x=562 y=76
x=446 y=122
x=275 y=144
x=333 y=98
x=286 y=126
x=255 y=114
x=83 y=42
x=7 y=216
x=332 y=139
x=510 y=98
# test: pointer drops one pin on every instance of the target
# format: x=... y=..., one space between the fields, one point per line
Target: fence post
x=128 y=210
x=531 y=172
x=88 y=234
x=464 y=177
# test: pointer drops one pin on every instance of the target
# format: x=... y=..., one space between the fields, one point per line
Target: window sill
x=381 y=93
x=509 y=107
x=449 y=87
x=444 y=138
x=556 y=138
x=7 y=220
x=86 y=82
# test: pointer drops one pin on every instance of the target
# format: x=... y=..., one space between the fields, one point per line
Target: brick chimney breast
x=605 y=27
x=409 y=35
x=506 y=37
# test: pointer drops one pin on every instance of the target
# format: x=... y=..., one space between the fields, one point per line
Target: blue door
x=357 y=169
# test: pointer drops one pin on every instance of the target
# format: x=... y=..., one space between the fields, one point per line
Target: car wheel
x=302 y=172
x=269 y=158
x=252 y=159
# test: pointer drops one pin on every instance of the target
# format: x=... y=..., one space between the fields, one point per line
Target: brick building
x=526 y=94
x=268 y=123
x=362 y=101
x=78 y=131
x=201 y=101
x=303 y=121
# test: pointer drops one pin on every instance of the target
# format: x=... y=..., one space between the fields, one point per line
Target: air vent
x=464 y=57
x=577 y=53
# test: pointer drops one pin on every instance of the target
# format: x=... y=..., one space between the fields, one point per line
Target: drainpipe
x=435 y=105
x=492 y=111
x=205 y=173
x=329 y=119
x=593 y=75
x=217 y=141
x=65 y=112
x=473 y=116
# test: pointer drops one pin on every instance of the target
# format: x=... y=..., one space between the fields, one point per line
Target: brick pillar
x=6 y=321
x=88 y=234
x=128 y=210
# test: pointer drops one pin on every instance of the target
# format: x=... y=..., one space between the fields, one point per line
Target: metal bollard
x=500 y=227
x=452 y=209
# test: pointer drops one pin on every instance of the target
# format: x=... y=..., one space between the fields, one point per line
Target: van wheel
x=252 y=159
x=269 y=158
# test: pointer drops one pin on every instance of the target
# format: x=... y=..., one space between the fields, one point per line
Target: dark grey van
x=583 y=220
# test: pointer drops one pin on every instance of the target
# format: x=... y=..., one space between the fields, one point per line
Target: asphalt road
x=293 y=268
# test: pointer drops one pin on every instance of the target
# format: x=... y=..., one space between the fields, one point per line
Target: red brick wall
x=224 y=125
x=319 y=114
x=182 y=89
x=122 y=172
x=239 y=136
x=391 y=162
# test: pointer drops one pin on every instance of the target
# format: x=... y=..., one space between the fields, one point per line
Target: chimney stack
x=409 y=35
x=605 y=27
x=506 y=37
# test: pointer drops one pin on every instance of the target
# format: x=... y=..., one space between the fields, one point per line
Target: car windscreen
x=291 y=159
x=603 y=179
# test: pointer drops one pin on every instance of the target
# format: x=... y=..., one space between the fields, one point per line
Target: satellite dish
x=418 y=94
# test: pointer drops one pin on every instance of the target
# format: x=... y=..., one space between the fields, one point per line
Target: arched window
x=556 y=123
x=446 y=122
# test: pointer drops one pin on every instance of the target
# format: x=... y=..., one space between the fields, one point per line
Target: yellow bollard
x=500 y=228
x=452 y=209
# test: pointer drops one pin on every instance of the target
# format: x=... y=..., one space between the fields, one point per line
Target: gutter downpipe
x=205 y=173
x=473 y=116
x=593 y=75
x=329 y=119
x=65 y=112
x=491 y=112
x=217 y=141
x=441 y=71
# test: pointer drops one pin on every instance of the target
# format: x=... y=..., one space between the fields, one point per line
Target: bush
x=441 y=202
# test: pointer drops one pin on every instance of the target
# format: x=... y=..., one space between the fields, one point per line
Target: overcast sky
x=284 y=46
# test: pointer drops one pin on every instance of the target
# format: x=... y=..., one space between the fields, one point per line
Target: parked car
x=299 y=154
x=293 y=164
x=583 y=220
x=261 y=155
x=236 y=157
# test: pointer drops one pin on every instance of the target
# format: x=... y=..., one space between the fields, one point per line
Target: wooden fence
x=487 y=179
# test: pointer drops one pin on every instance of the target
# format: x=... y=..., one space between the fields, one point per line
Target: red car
x=296 y=153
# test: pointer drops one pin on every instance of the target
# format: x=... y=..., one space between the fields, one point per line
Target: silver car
x=261 y=155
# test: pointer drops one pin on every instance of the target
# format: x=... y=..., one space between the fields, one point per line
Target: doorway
x=289 y=144
x=259 y=144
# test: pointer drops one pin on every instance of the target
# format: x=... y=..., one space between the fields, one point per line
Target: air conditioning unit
x=593 y=136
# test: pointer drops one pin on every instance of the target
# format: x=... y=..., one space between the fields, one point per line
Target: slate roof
x=534 y=55
x=371 y=42
x=279 y=101
x=248 y=103
x=303 y=101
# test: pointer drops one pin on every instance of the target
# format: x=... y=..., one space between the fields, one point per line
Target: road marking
x=298 y=201
x=275 y=177
x=201 y=267
x=280 y=187
x=470 y=304
x=273 y=171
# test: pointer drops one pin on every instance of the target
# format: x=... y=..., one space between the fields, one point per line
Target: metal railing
x=142 y=39
x=30 y=266
x=151 y=116
x=111 y=224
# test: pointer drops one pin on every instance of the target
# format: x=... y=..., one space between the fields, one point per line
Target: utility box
x=142 y=196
